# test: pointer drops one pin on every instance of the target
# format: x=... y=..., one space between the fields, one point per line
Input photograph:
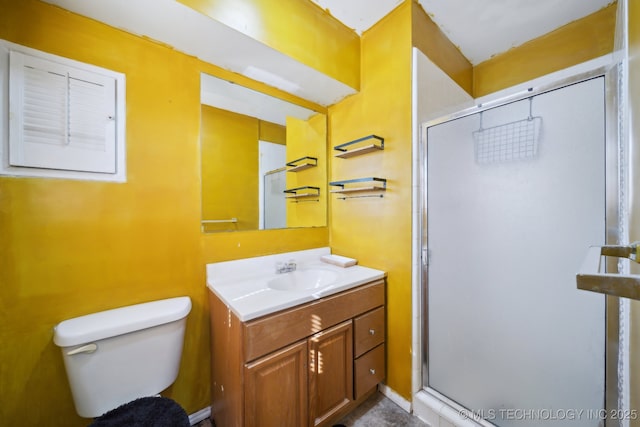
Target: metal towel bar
x=589 y=278
x=216 y=221
x=630 y=251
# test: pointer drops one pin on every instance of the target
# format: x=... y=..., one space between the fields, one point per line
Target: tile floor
x=377 y=411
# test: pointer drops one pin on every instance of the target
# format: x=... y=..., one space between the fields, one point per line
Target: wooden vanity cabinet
x=369 y=351
x=304 y=366
x=275 y=386
x=330 y=372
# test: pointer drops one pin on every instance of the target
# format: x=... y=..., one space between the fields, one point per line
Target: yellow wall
x=230 y=162
x=634 y=227
x=69 y=248
x=377 y=231
x=574 y=43
x=307 y=138
x=579 y=41
x=272 y=132
x=431 y=41
x=309 y=34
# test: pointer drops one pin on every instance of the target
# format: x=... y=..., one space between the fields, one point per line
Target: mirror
x=263 y=160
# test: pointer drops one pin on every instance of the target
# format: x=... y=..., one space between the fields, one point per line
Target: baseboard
x=435 y=412
x=395 y=397
x=388 y=392
x=201 y=415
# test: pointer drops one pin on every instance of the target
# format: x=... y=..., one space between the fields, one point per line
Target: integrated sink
x=251 y=288
x=303 y=280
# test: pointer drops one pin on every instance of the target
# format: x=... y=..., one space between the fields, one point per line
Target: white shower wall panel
x=509 y=335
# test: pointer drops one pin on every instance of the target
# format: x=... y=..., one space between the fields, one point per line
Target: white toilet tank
x=116 y=356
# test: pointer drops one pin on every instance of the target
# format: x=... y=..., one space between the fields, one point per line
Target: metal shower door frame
x=615 y=154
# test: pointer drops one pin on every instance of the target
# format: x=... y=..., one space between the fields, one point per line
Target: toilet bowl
x=116 y=356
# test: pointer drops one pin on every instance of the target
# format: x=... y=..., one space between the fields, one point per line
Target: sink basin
x=302 y=280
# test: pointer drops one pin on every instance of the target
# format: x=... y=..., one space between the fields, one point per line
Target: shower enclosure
x=514 y=194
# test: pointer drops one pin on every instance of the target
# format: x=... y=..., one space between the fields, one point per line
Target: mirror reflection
x=263 y=160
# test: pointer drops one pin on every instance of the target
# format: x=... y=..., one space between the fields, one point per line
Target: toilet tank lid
x=118 y=321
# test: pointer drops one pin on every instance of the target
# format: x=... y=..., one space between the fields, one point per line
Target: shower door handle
x=590 y=278
x=425 y=257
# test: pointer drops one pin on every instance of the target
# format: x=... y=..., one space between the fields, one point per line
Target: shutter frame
x=42 y=149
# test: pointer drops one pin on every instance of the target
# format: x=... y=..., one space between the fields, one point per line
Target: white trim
x=390 y=394
x=434 y=412
x=120 y=80
x=200 y=415
x=416 y=270
x=624 y=323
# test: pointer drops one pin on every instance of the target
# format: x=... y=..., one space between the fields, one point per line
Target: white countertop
x=243 y=284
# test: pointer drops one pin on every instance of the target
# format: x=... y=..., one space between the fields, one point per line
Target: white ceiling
x=193 y=33
x=232 y=97
x=480 y=28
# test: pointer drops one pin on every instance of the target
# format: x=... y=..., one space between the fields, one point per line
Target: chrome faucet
x=286 y=267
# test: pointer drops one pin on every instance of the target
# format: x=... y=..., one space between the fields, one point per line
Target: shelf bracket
x=376 y=143
x=378 y=184
x=302 y=163
x=301 y=192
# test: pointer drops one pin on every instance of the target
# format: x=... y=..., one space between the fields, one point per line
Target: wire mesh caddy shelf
x=511 y=141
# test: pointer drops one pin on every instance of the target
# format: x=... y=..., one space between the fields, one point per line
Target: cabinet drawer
x=368 y=331
x=369 y=370
x=269 y=333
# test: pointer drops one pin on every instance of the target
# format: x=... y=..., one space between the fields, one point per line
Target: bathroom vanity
x=305 y=364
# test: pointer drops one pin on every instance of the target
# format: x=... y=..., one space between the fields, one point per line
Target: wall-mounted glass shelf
x=298 y=192
x=376 y=184
x=372 y=143
x=218 y=221
x=215 y=225
x=302 y=164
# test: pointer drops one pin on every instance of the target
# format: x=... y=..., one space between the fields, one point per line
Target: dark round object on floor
x=145 y=412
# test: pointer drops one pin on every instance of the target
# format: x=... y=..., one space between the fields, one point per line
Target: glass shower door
x=514 y=196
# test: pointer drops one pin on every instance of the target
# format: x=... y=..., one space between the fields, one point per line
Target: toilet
x=115 y=357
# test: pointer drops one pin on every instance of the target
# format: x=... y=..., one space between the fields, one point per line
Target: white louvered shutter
x=60 y=117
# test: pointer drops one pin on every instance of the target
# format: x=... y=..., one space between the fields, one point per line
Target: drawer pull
x=372 y=331
x=372 y=371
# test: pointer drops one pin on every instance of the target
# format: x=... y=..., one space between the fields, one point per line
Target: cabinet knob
x=372 y=331
x=372 y=371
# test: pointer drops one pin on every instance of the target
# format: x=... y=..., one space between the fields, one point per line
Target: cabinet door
x=331 y=372
x=276 y=388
